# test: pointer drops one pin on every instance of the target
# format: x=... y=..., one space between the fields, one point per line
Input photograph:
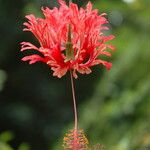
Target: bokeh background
x=113 y=106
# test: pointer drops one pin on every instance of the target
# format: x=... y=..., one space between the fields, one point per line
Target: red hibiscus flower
x=70 y=39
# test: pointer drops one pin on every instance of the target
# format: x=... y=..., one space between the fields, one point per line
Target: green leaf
x=24 y=146
x=6 y=136
x=4 y=146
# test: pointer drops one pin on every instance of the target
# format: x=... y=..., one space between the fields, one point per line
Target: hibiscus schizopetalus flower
x=70 y=39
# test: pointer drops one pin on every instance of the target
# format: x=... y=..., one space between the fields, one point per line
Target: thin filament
x=74 y=103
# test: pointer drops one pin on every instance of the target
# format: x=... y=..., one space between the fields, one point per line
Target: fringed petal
x=33 y=59
x=27 y=46
x=108 y=65
x=62 y=2
x=89 y=7
x=111 y=47
x=107 y=38
x=59 y=72
x=84 y=70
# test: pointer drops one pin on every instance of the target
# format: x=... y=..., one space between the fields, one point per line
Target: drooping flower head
x=70 y=39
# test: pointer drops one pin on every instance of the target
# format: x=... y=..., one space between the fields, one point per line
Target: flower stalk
x=74 y=103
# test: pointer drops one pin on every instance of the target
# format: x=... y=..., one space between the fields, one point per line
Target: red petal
x=107 y=38
x=33 y=59
x=27 y=46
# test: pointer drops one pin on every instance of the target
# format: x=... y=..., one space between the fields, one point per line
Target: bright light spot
x=129 y=1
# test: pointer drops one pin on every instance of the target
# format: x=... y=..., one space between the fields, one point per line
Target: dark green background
x=113 y=106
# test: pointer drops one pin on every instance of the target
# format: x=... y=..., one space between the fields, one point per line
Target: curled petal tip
x=62 y=2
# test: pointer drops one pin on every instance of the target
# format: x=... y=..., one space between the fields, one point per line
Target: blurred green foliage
x=8 y=136
x=4 y=138
x=114 y=106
